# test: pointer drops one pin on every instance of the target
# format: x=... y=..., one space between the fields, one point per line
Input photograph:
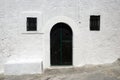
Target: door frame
x=46 y=37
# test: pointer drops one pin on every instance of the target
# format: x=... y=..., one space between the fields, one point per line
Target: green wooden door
x=61 y=44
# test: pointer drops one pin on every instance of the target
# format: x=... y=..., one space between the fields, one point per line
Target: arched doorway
x=61 y=44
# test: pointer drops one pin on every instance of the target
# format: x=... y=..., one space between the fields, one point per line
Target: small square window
x=95 y=23
x=31 y=24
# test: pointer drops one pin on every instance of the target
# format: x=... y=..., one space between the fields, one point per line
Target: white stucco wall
x=89 y=47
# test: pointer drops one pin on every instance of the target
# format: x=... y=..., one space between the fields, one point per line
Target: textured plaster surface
x=90 y=47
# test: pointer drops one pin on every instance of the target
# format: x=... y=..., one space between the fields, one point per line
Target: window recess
x=95 y=22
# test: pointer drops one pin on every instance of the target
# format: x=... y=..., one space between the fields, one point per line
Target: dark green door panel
x=61 y=44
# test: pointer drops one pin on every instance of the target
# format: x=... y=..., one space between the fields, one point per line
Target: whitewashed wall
x=89 y=47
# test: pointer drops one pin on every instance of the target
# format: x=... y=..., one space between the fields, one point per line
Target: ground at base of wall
x=87 y=72
x=2 y=77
